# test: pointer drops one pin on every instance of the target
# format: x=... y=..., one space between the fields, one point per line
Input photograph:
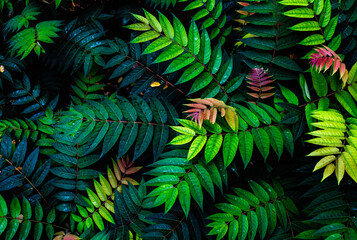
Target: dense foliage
x=222 y=120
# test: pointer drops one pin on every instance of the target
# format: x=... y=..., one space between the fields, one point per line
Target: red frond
x=258 y=81
x=324 y=58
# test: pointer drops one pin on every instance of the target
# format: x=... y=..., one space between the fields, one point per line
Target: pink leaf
x=336 y=65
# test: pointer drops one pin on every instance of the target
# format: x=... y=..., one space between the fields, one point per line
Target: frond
x=325 y=59
x=266 y=38
x=88 y=87
x=222 y=133
x=81 y=46
x=99 y=205
x=259 y=81
x=27 y=220
x=31 y=38
x=338 y=145
x=175 y=178
x=208 y=108
x=26 y=99
x=18 y=169
x=191 y=52
x=88 y=131
x=18 y=22
x=252 y=214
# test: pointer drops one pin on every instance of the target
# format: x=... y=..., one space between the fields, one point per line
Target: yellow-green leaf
x=350 y=164
x=328 y=171
x=105 y=214
x=232 y=119
x=324 y=151
x=181 y=139
x=340 y=169
x=324 y=161
x=196 y=146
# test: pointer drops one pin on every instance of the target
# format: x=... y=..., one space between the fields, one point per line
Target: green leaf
x=127 y=138
x=172 y=199
x=330 y=29
x=272 y=217
x=259 y=43
x=98 y=221
x=260 y=113
x=243 y=227
x=289 y=95
x=276 y=140
x=191 y=72
x=146 y=36
x=281 y=213
x=330 y=217
x=306 y=26
x=347 y=102
x=205 y=48
x=143 y=140
x=202 y=81
x=352 y=76
x=164 y=179
x=154 y=23
x=230 y=146
x=314 y=39
x=233 y=230
x=204 y=177
x=195 y=188
x=157 y=45
x=15 y=207
x=180 y=32
x=319 y=83
x=192 y=125
x=325 y=15
x=216 y=59
x=169 y=53
x=259 y=192
x=262 y=141
x=221 y=217
x=12 y=229
x=247 y=116
x=253 y=224
x=184 y=196
x=318 y=6
x=179 y=63
x=196 y=146
x=213 y=145
x=300 y=13
x=330 y=229
x=194 y=39
x=263 y=221
x=246 y=146
x=181 y=139
x=258 y=56
x=166 y=26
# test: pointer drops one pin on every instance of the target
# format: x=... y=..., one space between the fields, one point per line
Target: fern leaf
x=325 y=59
x=259 y=81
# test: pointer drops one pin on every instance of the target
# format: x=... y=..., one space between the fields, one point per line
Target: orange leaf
x=121 y=165
x=133 y=170
x=213 y=115
x=232 y=119
x=196 y=105
x=116 y=170
x=125 y=181
x=202 y=101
